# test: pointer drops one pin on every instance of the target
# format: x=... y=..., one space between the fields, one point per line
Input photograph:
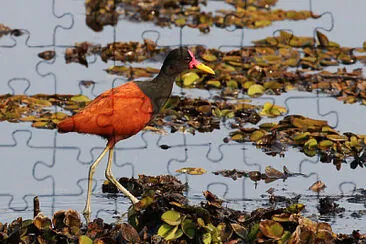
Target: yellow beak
x=205 y=68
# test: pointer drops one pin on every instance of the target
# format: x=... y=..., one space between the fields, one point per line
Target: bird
x=123 y=111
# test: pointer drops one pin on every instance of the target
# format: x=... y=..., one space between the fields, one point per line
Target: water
x=54 y=166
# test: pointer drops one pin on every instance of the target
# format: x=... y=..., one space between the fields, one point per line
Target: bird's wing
x=123 y=110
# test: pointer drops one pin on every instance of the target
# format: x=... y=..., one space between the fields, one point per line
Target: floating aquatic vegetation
x=132 y=72
x=250 y=14
x=318 y=186
x=79 y=53
x=165 y=215
x=130 y=51
x=312 y=137
x=179 y=114
x=39 y=109
x=186 y=114
x=265 y=68
x=252 y=3
x=254 y=14
x=5 y=30
x=328 y=205
x=164 y=183
x=268 y=176
x=47 y=55
x=100 y=13
x=192 y=171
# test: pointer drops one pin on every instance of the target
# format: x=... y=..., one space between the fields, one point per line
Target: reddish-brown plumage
x=115 y=114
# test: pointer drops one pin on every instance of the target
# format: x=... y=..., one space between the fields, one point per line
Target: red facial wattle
x=194 y=62
x=198 y=65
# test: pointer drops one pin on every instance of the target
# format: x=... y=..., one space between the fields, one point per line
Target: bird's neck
x=158 y=89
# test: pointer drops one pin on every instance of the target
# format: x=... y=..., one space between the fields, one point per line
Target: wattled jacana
x=123 y=111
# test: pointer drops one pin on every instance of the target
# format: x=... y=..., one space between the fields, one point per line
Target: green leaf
x=173 y=234
x=311 y=143
x=85 y=240
x=208 y=57
x=302 y=136
x=271 y=229
x=171 y=217
x=164 y=230
x=178 y=234
x=310 y=147
x=286 y=236
x=295 y=208
x=255 y=90
x=253 y=232
x=232 y=84
x=201 y=222
x=189 y=228
x=206 y=238
x=189 y=78
x=214 y=83
x=80 y=99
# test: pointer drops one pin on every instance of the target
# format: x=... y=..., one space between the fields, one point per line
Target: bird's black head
x=181 y=59
x=160 y=88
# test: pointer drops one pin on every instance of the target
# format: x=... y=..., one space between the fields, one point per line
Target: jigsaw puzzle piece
x=150 y=160
x=20 y=86
x=30 y=16
x=342 y=15
x=71 y=184
x=8 y=39
x=334 y=185
x=19 y=183
x=19 y=68
x=79 y=30
x=308 y=104
x=201 y=153
x=71 y=82
x=168 y=37
x=74 y=153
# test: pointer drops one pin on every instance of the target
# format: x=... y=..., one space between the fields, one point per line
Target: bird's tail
x=66 y=125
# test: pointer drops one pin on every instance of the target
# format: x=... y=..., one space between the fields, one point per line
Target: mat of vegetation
x=164 y=215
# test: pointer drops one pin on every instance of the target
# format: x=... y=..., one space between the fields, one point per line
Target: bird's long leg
x=87 y=211
x=109 y=176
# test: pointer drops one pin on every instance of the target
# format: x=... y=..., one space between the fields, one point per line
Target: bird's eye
x=187 y=58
